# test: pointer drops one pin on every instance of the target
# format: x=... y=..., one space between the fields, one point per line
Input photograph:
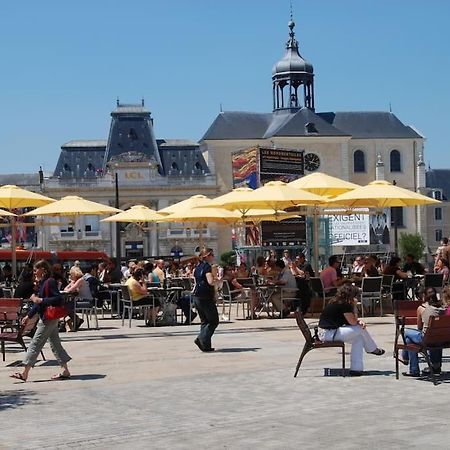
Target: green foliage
x=411 y=243
x=228 y=258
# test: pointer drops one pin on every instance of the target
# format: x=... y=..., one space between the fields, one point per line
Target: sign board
x=280 y=164
x=350 y=229
x=133 y=176
x=287 y=233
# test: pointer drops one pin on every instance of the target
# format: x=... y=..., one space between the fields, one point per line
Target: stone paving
x=152 y=388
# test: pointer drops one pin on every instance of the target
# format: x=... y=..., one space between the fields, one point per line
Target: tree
x=228 y=258
x=411 y=244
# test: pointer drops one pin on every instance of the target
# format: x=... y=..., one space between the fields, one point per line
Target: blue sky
x=64 y=63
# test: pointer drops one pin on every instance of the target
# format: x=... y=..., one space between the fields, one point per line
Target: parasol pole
x=316 y=239
x=13 y=248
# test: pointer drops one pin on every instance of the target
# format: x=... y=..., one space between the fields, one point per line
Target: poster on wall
x=380 y=227
x=350 y=229
x=245 y=168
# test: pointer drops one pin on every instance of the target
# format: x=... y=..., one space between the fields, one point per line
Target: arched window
x=359 y=161
x=395 y=161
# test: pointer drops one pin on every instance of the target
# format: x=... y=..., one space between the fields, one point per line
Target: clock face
x=312 y=162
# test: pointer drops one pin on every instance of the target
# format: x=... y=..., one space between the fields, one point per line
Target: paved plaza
x=152 y=388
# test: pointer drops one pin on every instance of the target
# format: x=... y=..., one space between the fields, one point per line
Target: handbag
x=53 y=312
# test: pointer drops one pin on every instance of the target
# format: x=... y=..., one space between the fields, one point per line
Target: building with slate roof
x=343 y=144
x=149 y=171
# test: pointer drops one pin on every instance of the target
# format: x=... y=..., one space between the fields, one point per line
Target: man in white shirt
x=287 y=283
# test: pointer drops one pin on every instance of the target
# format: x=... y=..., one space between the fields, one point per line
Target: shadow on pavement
x=329 y=372
x=15 y=399
x=238 y=350
x=81 y=377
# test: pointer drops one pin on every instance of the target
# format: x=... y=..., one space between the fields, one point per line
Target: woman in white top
x=80 y=288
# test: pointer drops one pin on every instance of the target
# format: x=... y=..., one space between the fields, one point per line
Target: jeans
x=415 y=337
x=184 y=303
x=209 y=318
x=360 y=340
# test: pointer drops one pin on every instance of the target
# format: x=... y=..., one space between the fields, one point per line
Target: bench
x=436 y=337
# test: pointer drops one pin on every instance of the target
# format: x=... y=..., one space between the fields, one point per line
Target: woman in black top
x=339 y=322
x=204 y=300
x=48 y=295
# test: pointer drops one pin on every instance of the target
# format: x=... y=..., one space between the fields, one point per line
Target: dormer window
x=132 y=134
x=310 y=128
x=198 y=166
x=66 y=167
x=174 y=166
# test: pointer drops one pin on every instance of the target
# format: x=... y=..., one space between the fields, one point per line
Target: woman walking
x=48 y=295
x=339 y=322
x=204 y=300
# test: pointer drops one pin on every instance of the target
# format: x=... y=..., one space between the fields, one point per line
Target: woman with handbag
x=204 y=300
x=48 y=304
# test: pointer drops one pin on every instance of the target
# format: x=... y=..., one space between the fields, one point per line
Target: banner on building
x=350 y=229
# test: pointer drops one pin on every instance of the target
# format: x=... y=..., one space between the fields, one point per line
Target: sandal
x=378 y=352
x=18 y=376
x=60 y=376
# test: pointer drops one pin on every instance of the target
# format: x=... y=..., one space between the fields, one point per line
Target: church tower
x=293 y=78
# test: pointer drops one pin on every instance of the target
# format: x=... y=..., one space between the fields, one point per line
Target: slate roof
x=370 y=124
x=182 y=158
x=131 y=133
x=439 y=179
x=81 y=159
x=292 y=122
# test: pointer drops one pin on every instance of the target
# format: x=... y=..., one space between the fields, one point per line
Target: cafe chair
x=225 y=297
x=371 y=292
x=386 y=289
x=11 y=328
x=128 y=307
x=87 y=308
x=313 y=342
x=288 y=296
x=317 y=288
x=434 y=280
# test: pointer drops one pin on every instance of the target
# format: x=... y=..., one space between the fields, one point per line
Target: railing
x=75 y=235
x=183 y=233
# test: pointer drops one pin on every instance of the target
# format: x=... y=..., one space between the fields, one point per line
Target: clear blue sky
x=63 y=63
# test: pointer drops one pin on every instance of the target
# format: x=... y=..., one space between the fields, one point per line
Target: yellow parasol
x=14 y=197
x=381 y=194
x=274 y=195
x=136 y=214
x=196 y=201
x=73 y=206
x=321 y=184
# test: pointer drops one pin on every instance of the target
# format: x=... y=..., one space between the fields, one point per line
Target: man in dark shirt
x=303 y=265
x=413 y=266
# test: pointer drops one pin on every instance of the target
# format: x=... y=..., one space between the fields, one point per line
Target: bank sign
x=348 y=230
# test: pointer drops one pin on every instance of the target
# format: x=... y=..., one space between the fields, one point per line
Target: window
x=132 y=134
x=174 y=166
x=437 y=195
x=396 y=165
x=438 y=213
x=359 y=161
x=397 y=216
x=198 y=166
x=438 y=235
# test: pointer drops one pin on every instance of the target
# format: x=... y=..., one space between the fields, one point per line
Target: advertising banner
x=245 y=168
x=350 y=229
x=380 y=227
x=280 y=164
x=287 y=233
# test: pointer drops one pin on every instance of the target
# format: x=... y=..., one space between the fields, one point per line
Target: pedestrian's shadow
x=81 y=377
x=329 y=372
x=238 y=349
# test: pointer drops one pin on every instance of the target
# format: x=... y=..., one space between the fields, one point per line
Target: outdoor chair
x=287 y=297
x=8 y=292
x=128 y=307
x=405 y=312
x=386 y=289
x=434 y=280
x=225 y=297
x=87 y=308
x=437 y=336
x=313 y=342
x=10 y=319
x=371 y=292
x=317 y=288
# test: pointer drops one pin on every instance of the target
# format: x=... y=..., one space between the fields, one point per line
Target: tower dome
x=291 y=72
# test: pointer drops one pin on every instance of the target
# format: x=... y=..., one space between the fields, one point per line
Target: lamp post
x=118 y=242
